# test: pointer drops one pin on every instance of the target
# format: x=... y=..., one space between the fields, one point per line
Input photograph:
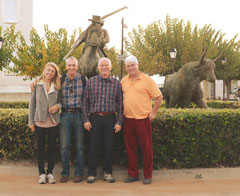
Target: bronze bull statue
x=183 y=87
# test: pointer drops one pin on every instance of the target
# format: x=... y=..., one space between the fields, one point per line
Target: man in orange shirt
x=139 y=90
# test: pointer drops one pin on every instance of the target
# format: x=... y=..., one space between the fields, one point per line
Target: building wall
x=20 y=13
x=14 y=88
x=24 y=15
x=208 y=89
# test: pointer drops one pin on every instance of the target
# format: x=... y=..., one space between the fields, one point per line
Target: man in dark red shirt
x=103 y=100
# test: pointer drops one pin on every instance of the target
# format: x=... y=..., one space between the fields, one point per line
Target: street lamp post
x=123 y=26
x=224 y=61
x=173 y=55
x=1 y=42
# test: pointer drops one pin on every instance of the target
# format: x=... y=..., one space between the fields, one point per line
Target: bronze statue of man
x=95 y=38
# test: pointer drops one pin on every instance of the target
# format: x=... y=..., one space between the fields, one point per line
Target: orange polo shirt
x=138 y=94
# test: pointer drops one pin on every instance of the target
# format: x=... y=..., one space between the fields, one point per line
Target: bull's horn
x=204 y=53
x=116 y=11
x=219 y=57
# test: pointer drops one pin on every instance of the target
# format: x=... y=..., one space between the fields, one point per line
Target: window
x=10 y=11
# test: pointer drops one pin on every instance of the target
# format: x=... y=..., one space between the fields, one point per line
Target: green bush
x=217 y=104
x=14 y=104
x=211 y=103
x=196 y=138
x=17 y=141
x=182 y=138
x=223 y=104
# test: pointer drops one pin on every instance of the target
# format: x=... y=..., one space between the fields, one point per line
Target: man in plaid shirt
x=71 y=120
x=103 y=100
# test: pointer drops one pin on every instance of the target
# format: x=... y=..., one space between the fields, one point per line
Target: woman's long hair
x=56 y=79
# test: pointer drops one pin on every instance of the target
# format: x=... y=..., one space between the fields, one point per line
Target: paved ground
x=20 y=179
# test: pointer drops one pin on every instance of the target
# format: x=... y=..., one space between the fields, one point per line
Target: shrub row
x=214 y=104
x=197 y=138
x=14 y=104
x=223 y=104
x=210 y=103
x=182 y=138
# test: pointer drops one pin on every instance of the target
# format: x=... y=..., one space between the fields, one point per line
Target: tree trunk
x=223 y=89
x=214 y=90
x=228 y=84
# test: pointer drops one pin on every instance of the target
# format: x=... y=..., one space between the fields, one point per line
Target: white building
x=20 y=13
x=13 y=88
x=208 y=89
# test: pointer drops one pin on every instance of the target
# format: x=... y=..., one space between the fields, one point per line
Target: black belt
x=72 y=110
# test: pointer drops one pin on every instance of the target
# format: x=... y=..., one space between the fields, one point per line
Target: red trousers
x=138 y=131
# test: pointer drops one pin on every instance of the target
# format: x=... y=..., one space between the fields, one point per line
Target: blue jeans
x=71 y=123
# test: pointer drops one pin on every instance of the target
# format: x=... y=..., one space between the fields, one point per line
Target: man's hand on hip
x=151 y=116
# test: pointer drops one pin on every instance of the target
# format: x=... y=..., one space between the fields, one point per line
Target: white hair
x=104 y=59
x=131 y=59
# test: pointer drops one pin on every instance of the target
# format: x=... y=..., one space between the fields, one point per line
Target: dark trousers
x=102 y=127
x=138 y=131
x=51 y=134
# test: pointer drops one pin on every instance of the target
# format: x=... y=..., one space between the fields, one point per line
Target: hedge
x=197 y=137
x=14 y=104
x=182 y=138
x=17 y=141
x=223 y=104
x=211 y=103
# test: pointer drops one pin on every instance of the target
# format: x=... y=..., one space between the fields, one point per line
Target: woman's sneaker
x=42 y=179
x=50 y=179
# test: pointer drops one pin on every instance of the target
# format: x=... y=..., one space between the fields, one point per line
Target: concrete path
x=20 y=179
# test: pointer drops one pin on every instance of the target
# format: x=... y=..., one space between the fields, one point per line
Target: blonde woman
x=44 y=118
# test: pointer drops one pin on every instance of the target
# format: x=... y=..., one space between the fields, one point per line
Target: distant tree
x=8 y=48
x=152 y=44
x=31 y=58
x=231 y=69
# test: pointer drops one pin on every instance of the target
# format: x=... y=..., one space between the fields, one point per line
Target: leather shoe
x=131 y=179
x=64 y=179
x=147 y=180
x=77 y=179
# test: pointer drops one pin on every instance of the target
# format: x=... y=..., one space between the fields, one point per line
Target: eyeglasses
x=70 y=87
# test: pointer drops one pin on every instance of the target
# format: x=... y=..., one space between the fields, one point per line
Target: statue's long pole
x=122 y=48
x=116 y=11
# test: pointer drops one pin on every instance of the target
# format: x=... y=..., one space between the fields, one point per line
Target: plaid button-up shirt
x=103 y=95
x=72 y=91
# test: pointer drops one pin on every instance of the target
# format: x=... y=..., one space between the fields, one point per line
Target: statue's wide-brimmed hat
x=96 y=19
